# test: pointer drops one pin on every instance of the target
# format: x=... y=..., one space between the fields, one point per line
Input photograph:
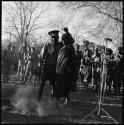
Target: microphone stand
x=99 y=108
x=92 y=83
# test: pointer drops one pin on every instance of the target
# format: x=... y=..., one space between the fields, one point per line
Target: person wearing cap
x=48 y=55
x=7 y=63
x=65 y=70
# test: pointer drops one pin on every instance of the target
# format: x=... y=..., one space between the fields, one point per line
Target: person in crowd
x=118 y=72
x=36 y=72
x=65 y=70
x=14 y=58
x=31 y=59
x=86 y=68
x=79 y=56
x=109 y=69
x=7 y=63
x=71 y=39
x=48 y=55
x=81 y=72
x=96 y=70
x=22 y=61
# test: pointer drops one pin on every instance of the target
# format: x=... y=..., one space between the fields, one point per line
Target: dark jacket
x=49 y=54
x=65 y=69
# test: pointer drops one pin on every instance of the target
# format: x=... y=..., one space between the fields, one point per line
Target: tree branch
x=7 y=32
x=42 y=11
x=13 y=22
x=79 y=5
x=36 y=28
x=110 y=16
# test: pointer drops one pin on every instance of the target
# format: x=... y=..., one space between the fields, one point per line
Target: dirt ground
x=81 y=104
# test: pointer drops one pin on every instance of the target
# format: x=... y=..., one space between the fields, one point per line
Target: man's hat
x=54 y=33
x=86 y=42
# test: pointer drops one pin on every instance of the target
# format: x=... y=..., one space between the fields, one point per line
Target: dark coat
x=117 y=73
x=79 y=55
x=66 y=70
x=49 y=54
x=7 y=61
x=86 y=71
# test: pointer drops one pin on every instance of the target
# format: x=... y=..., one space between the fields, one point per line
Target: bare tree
x=113 y=10
x=111 y=21
x=24 y=19
x=62 y=21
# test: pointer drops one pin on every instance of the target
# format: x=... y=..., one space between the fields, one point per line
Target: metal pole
x=92 y=76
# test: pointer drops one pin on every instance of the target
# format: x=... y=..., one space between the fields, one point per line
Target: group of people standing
x=100 y=65
x=28 y=60
x=61 y=63
x=56 y=63
x=22 y=61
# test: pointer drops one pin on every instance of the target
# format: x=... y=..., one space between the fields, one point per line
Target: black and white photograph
x=62 y=62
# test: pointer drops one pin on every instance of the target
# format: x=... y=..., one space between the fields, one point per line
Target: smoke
x=26 y=99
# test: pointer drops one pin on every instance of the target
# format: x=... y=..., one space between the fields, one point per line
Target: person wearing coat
x=48 y=56
x=86 y=70
x=96 y=70
x=118 y=73
x=7 y=63
x=65 y=70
